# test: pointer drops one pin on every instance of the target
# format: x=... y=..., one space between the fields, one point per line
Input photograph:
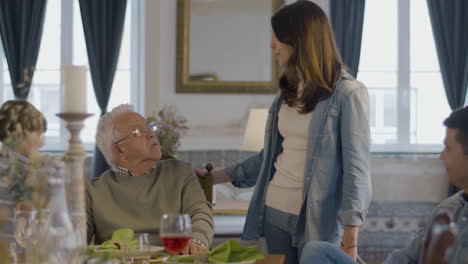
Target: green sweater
x=137 y=202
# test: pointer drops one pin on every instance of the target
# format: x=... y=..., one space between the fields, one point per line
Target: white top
x=285 y=190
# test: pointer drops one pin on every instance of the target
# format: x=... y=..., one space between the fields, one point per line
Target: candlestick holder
x=74 y=159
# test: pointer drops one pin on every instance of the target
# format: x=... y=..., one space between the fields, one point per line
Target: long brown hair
x=315 y=61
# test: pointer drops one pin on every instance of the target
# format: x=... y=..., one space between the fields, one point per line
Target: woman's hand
x=200 y=172
x=219 y=176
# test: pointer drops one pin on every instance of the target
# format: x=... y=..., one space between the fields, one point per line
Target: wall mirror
x=223 y=46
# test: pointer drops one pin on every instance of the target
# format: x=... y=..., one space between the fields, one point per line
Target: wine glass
x=175 y=231
x=13 y=253
x=24 y=221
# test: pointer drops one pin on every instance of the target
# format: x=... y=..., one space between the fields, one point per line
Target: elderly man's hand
x=219 y=176
x=193 y=248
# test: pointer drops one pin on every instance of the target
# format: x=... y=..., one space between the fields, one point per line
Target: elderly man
x=455 y=158
x=140 y=187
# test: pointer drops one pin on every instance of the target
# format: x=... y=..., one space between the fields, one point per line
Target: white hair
x=106 y=132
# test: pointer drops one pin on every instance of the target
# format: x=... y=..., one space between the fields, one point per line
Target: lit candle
x=74 y=89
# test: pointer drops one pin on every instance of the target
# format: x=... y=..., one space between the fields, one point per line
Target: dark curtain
x=449 y=21
x=21 y=23
x=103 y=23
x=347 y=18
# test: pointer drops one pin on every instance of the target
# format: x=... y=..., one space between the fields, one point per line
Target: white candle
x=74 y=89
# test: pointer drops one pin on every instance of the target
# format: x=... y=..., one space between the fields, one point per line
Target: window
x=63 y=42
x=399 y=65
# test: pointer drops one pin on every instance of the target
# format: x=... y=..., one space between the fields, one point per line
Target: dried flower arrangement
x=171 y=128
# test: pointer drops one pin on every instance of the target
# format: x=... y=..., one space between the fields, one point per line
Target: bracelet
x=347 y=247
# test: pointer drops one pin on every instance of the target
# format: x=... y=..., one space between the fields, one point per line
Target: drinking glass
x=175 y=231
x=24 y=221
x=138 y=250
x=13 y=253
x=79 y=221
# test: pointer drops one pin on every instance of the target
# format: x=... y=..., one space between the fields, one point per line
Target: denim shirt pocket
x=321 y=213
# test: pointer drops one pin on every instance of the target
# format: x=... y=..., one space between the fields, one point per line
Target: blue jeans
x=278 y=234
x=324 y=253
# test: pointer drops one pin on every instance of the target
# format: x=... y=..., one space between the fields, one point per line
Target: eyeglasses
x=138 y=132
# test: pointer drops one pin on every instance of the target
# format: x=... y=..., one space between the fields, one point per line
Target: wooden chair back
x=440 y=237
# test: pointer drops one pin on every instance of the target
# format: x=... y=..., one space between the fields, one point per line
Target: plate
x=119 y=253
x=242 y=262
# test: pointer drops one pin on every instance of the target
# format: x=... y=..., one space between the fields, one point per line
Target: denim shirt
x=457 y=206
x=337 y=185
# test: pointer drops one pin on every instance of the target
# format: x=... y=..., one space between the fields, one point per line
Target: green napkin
x=232 y=251
x=123 y=234
x=109 y=244
x=227 y=252
x=120 y=237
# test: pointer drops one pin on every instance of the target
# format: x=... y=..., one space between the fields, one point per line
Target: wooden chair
x=207 y=183
x=441 y=236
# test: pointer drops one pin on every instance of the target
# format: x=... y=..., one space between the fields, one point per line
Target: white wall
x=231 y=41
x=216 y=120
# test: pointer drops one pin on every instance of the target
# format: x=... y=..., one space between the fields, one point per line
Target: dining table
x=269 y=259
x=272 y=259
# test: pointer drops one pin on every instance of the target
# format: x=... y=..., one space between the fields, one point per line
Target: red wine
x=174 y=244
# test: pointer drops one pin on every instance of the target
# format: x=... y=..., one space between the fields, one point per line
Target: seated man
x=455 y=158
x=140 y=187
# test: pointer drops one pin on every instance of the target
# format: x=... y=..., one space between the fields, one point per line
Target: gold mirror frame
x=186 y=85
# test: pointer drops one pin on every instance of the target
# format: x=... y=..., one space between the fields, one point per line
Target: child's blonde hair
x=20 y=116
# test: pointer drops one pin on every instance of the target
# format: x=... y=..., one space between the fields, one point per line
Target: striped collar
x=121 y=171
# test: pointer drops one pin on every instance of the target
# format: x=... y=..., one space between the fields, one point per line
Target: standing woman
x=312 y=177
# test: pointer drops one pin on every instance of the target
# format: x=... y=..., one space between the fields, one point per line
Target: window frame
x=403 y=91
x=59 y=144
